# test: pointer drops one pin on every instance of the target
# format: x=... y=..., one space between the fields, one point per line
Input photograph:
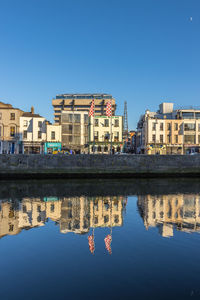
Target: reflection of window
x=106 y=219
x=96 y=220
x=39 y=219
x=116 y=218
x=39 y=208
x=12 y=131
x=12 y=116
x=24 y=209
x=52 y=207
x=11 y=227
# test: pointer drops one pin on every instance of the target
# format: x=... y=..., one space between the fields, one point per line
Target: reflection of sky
x=44 y=263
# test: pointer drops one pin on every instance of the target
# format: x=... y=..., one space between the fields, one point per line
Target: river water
x=100 y=239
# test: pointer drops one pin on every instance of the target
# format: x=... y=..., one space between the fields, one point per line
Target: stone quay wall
x=94 y=166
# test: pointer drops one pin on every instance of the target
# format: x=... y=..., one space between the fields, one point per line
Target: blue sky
x=144 y=52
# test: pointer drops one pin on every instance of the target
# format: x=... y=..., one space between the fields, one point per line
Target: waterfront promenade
x=98 y=166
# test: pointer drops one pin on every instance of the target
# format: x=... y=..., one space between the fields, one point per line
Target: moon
x=191 y=19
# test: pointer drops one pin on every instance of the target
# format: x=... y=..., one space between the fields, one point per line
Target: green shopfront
x=51 y=147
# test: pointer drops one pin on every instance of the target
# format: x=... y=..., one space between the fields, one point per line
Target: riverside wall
x=98 y=166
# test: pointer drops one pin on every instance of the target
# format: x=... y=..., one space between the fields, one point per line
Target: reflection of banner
x=108 y=240
x=91 y=243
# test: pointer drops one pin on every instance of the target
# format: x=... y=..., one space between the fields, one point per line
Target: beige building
x=181 y=211
x=169 y=131
x=81 y=102
x=9 y=128
x=100 y=134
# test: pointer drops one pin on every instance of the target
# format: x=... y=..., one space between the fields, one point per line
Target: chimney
x=32 y=110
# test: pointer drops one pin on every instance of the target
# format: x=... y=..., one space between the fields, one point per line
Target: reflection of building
x=72 y=214
x=81 y=102
x=169 y=131
x=167 y=211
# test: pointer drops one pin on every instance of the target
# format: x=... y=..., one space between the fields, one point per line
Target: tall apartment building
x=169 y=131
x=9 y=128
x=81 y=102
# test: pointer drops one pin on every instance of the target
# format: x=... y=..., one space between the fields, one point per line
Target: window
x=116 y=136
x=176 y=139
x=153 y=138
x=25 y=134
x=24 y=209
x=12 y=116
x=0 y=130
x=77 y=118
x=12 y=131
x=11 y=227
x=154 y=126
x=96 y=136
x=175 y=126
x=39 y=208
x=0 y=116
x=168 y=139
x=161 y=138
x=188 y=115
x=198 y=127
x=25 y=123
x=189 y=126
x=116 y=123
x=39 y=134
x=168 y=126
x=198 y=139
x=106 y=123
x=53 y=135
x=96 y=122
x=106 y=219
x=39 y=124
x=189 y=139
x=106 y=136
x=197 y=115
x=85 y=119
x=161 y=126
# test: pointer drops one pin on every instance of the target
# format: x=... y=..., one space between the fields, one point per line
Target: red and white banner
x=91 y=243
x=108 y=240
x=91 y=111
x=109 y=108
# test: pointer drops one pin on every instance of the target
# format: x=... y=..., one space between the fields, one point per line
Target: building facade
x=53 y=138
x=9 y=128
x=169 y=131
x=74 y=130
x=80 y=103
x=32 y=133
x=100 y=134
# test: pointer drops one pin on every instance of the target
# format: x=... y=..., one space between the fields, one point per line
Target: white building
x=32 y=133
x=53 y=133
x=100 y=134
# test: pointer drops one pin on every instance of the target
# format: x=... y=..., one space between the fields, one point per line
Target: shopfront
x=50 y=148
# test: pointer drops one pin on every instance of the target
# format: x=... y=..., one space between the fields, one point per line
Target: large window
x=168 y=139
x=39 y=124
x=189 y=126
x=154 y=126
x=77 y=118
x=12 y=116
x=175 y=126
x=189 y=139
x=39 y=134
x=96 y=122
x=12 y=131
x=161 y=138
x=153 y=138
x=161 y=126
x=67 y=129
x=96 y=136
x=188 y=115
x=168 y=126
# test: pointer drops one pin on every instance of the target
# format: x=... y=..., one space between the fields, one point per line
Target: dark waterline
x=100 y=239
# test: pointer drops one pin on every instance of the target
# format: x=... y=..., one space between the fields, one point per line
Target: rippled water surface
x=127 y=239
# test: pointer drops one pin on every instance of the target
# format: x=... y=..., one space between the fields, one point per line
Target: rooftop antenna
x=125 y=121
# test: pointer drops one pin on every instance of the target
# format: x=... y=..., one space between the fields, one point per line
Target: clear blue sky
x=144 y=52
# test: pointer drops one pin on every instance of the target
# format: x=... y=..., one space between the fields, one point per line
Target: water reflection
x=169 y=212
x=73 y=214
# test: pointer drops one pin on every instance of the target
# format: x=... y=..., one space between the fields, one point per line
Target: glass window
x=189 y=126
x=197 y=114
x=175 y=126
x=77 y=140
x=168 y=126
x=12 y=116
x=52 y=207
x=86 y=119
x=39 y=134
x=39 y=124
x=154 y=126
x=198 y=139
x=25 y=123
x=25 y=134
x=168 y=139
x=0 y=130
x=188 y=115
x=116 y=123
x=67 y=129
x=161 y=126
x=161 y=138
x=96 y=122
x=154 y=138
x=96 y=136
x=106 y=123
x=77 y=118
x=176 y=139
x=12 y=131
x=53 y=135
x=77 y=129
x=189 y=139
